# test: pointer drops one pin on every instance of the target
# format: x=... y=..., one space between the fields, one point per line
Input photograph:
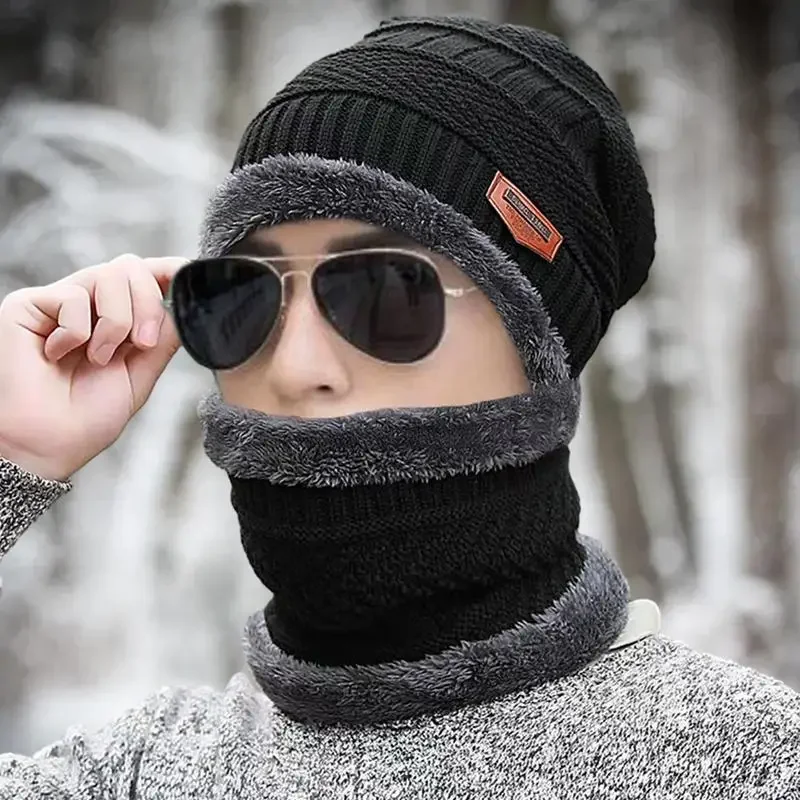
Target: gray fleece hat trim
x=581 y=625
x=301 y=187
x=391 y=444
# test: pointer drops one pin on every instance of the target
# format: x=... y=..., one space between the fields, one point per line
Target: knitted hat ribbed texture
x=446 y=103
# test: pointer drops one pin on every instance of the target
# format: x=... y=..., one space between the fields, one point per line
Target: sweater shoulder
x=182 y=737
x=176 y=737
x=204 y=712
x=710 y=701
x=659 y=715
x=679 y=669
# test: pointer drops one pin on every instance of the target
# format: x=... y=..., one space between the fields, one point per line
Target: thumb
x=145 y=367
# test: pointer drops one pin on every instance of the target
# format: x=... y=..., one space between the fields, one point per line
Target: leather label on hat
x=527 y=224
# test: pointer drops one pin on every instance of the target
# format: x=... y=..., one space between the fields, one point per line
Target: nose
x=305 y=366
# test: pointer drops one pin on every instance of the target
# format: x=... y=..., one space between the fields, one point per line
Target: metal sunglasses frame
x=269 y=264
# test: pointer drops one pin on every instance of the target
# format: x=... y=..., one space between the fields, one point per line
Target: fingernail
x=148 y=333
x=103 y=354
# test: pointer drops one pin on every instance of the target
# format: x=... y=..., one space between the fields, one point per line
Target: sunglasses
x=388 y=303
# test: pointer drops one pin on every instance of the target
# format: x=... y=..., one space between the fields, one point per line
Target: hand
x=79 y=358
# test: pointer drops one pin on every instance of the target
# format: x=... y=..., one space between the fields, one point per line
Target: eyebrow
x=382 y=237
x=254 y=246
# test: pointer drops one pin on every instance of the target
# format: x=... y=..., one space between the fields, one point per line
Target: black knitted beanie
x=391 y=534
x=492 y=144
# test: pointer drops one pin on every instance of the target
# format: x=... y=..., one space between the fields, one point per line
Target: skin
x=80 y=357
x=308 y=370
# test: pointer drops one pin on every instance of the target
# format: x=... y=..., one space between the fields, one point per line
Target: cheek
x=231 y=389
x=477 y=359
x=242 y=387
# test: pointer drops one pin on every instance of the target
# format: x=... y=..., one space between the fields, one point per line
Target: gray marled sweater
x=652 y=720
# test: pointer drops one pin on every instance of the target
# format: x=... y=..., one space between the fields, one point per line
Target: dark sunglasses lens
x=389 y=305
x=224 y=309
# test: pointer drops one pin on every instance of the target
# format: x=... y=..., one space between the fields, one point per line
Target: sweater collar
x=577 y=628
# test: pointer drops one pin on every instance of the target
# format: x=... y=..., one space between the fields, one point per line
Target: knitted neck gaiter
x=421 y=559
x=370 y=574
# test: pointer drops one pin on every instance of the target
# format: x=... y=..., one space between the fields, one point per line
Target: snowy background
x=116 y=119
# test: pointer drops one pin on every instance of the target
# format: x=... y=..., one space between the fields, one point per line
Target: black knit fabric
x=378 y=573
x=444 y=104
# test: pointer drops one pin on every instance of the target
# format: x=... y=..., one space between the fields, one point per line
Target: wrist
x=43 y=468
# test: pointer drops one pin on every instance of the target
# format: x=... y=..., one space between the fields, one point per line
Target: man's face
x=308 y=370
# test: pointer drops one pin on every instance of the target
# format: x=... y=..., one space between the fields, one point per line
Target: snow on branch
x=97 y=179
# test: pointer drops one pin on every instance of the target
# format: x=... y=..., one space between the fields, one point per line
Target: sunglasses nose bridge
x=291 y=275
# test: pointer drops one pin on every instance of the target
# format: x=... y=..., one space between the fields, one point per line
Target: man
x=422 y=241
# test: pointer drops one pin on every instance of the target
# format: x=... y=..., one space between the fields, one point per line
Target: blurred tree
x=50 y=46
x=633 y=542
x=773 y=410
x=535 y=13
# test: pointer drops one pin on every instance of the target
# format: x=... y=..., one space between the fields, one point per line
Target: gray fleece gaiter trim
x=580 y=626
x=388 y=445
x=391 y=444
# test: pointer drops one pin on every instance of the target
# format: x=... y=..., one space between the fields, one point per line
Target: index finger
x=163 y=269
